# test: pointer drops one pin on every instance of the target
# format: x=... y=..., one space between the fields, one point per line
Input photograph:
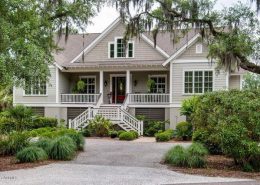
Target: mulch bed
x=219 y=166
x=8 y=163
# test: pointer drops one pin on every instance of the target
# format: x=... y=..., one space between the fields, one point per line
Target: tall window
x=198 y=81
x=90 y=85
x=37 y=87
x=159 y=85
x=118 y=49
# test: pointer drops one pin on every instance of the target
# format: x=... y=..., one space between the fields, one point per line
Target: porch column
x=128 y=81
x=101 y=84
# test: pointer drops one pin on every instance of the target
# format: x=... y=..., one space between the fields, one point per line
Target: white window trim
x=166 y=82
x=199 y=48
x=36 y=95
x=115 y=48
x=193 y=71
x=90 y=76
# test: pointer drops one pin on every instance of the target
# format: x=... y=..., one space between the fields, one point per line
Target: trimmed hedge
x=127 y=136
x=164 y=136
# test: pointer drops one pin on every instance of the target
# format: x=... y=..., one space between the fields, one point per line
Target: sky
x=108 y=14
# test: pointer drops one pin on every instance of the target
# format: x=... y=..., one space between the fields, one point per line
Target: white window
x=199 y=48
x=90 y=84
x=119 y=49
x=35 y=88
x=159 y=85
x=197 y=82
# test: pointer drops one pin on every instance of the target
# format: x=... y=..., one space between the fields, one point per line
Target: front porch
x=125 y=88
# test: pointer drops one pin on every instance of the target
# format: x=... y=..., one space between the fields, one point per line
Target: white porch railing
x=149 y=98
x=79 y=98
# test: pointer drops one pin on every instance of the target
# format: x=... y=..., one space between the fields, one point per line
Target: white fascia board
x=182 y=49
x=146 y=39
x=101 y=36
x=58 y=66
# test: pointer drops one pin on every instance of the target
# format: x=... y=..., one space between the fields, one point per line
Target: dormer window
x=118 y=49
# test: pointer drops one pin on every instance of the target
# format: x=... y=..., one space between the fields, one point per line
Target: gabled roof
x=73 y=48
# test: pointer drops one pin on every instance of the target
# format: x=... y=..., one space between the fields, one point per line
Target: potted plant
x=79 y=87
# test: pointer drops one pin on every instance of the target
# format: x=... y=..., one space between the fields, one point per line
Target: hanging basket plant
x=150 y=85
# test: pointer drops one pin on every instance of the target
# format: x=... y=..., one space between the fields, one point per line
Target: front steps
x=115 y=113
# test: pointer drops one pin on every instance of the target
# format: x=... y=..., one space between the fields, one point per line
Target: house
x=123 y=82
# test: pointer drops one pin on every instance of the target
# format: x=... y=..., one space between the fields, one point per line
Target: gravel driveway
x=109 y=162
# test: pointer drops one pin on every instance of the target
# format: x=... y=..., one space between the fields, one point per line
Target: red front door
x=118 y=89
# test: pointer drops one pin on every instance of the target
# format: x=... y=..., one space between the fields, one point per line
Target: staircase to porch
x=116 y=114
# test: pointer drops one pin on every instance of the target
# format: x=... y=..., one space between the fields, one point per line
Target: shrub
x=135 y=133
x=188 y=107
x=31 y=154
x=184 y=130
x=14 y=143
x=43 y=143
x=228 y=121
x=62 y=148
x=127 y=136
x=20 y=114
x=100 y=126
x=120 y=132
x=194 y=156
x=197 y=153
x=78 y=139
x=164 y=136
x=177 y=156
x=85 y=132
x=40 y=122
x=7 y=125
x=152 y=127
x=113 y=134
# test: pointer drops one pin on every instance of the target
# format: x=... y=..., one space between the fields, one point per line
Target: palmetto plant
x=100 y=126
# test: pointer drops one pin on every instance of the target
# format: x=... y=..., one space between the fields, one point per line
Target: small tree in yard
x=251 y=81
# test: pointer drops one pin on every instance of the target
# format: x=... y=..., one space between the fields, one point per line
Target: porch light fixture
x=135 y=83
x=105 y=83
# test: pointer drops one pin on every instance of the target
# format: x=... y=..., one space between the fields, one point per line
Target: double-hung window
x=35 y=88
x=159 y=84
x=90 y=84
x=119 y=49
x=197 y=82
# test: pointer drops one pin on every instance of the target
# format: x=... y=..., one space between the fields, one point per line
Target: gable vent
x=198 y=48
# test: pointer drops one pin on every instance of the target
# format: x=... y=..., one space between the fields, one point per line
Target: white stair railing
x=131 y=121
x=117 y=116
x=80 y=119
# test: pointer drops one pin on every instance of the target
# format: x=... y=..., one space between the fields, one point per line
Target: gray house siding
x=234 y=82
x=20 y=98
x=178 y=78
x=142 y=50
x=190 y=53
